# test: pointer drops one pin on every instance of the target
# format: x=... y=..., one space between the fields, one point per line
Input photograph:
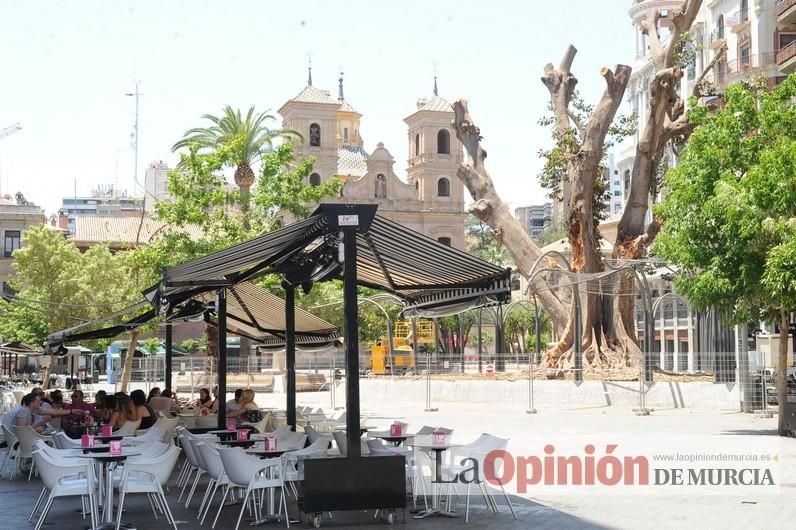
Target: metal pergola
x=338 y=241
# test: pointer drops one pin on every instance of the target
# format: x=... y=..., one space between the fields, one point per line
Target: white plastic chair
x=62 y=441
x=60 y=480
x=153 y=434
x=169 y=425
x=11 y=454
x=342 y=444
x=478 y=451
x=188 y=445
x=253 y=474
x=128 y=429
x=148 y=477
x=218 y=477
x=26 y=436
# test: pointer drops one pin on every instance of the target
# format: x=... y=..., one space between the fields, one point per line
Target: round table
x=435 y=504
x=110 y=462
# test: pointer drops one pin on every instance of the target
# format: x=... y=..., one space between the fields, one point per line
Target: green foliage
x=281 y=188
x=193 y=346
x=205 y=214
x=566 y=149
x=247 y=137
x=729 y=213
x=152 y=345
x=481 y=242
x=58 y=287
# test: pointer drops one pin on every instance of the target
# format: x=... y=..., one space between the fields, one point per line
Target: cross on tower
x=309 y=67
x=435 y=64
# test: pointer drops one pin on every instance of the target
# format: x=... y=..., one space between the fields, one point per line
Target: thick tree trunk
x=782 y=372
x=666 y=119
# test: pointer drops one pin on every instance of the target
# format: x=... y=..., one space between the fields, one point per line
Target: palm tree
x=248 y=137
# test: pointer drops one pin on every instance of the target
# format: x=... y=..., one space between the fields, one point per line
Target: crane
x=11 y=129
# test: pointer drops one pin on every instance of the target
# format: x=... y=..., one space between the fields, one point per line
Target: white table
x=436 y=509
x=110 y=462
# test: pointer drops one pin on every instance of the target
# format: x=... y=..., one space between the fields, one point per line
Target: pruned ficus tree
x=582 y=142
x=667 y=121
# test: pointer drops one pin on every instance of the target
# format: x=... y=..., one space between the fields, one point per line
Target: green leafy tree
x=204 y=215
x=480 y=241
x=58 y=287
x=729 y=213
x=248 y=137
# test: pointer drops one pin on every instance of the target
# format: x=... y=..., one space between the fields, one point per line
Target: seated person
x=73 y=424
x=249 y=411
x=143 y=411
x=234 y=404
x=123 y=412
x=211 y=408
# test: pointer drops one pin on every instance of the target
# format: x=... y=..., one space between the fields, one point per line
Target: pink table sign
x=116 y=447
x=87 y=441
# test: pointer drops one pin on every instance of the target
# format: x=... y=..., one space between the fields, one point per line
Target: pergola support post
x=169 y=354
x=290 y=352
x=351 y=313
x=221 y=311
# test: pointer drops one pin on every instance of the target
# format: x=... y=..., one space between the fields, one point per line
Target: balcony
x=739 y=20
x=749 y=66
x=786 y=12
x=786 y=58
x=717 y=39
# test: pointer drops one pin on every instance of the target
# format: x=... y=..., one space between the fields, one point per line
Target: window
x=627 y=180
x=315 y=179
x=345 y=134
x=417 y=145
x=617 y=193
x=315 y=135
x=443 y=142
x=443 y=187
x=445 y=241
x=744 y=12
x=785 y=39
x=746 y=56
x=13 y=242
x=719 y=32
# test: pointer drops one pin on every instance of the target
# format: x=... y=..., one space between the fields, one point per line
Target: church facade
x=431 y=198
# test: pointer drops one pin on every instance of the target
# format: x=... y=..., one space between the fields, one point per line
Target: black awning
x=391 y=257
x=251 y=312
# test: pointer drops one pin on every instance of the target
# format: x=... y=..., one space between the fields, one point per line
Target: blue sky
x=65 y=67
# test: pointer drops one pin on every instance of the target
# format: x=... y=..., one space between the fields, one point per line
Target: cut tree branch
x=490 y=209
x=721 y=54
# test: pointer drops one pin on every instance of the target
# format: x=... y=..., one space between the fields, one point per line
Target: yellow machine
x=403 y=358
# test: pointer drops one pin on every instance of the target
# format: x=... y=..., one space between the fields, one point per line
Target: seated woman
x=204 y=400
x=124 y=411
x=249 y=411
x=212 y=408
x=155 y=392
x=175 y=404
x=142 y=409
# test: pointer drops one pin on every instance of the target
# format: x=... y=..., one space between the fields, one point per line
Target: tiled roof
x=351 y=161
x=346 y=107
x=437 y=104
x=310 y=94
x=119 y=231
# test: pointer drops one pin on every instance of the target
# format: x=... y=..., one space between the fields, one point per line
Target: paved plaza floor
x=544 y=511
